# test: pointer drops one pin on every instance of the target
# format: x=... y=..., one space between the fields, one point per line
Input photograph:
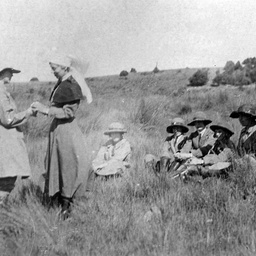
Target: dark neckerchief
x=54 y=89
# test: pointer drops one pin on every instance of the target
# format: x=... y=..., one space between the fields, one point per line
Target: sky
x=116 y=35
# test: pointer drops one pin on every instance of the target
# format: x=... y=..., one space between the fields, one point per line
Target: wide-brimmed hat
x=246 y=109
x=115 y=127
x=223 y=126
x=12 y=70
x=177 y=122
x=199 y=117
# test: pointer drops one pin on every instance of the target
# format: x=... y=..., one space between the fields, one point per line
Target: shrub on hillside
x=123 y=73
x=34 y=79
x=156 y=70
x=199 y=78
x=237 y=74
x=217 y=79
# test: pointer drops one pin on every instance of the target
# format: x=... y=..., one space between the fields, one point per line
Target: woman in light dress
x=14 y=160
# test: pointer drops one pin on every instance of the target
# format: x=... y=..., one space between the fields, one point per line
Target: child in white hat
x=113 y=156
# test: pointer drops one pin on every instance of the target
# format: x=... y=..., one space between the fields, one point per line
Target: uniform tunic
x=220 y=154
x=247 y=141
x=112 y=159
x=66 y=167
x=13 y=154
x=173 y=145
x=198 y=145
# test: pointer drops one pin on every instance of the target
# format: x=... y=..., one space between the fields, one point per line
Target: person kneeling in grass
x=219 y=157
x=173 y=144
x=113 y=157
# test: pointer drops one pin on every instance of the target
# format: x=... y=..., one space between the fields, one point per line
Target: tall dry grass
x=138 y=214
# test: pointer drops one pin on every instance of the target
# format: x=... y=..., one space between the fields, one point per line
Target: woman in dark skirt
x=66 y=167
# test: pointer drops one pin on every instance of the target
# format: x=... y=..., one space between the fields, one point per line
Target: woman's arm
x=122 y=152
x=224 y=156
x=8 y=116
x=58 y=111
x=99 y=161
x=65 y=112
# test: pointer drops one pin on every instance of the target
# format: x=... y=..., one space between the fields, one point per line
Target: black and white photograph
x=127 y=127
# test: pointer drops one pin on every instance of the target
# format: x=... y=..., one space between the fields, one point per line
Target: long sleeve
x=99 y=160
x=65 y=112
x=208 y=143
x=200 y=152
x=224 y=156
x=247 y=143
x=109 y=154
x=8 y=116
x=166 y=151
x=122 y=151
x=187 y=146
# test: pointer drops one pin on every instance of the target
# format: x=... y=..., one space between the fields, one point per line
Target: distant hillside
x=166 y=82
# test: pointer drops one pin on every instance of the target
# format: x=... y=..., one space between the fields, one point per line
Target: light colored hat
x=78 y=68
x=177 y=122
x=62 y=60
x=115 y=127
x=200 y=117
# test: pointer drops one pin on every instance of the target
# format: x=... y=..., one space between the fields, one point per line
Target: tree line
x=236 y=74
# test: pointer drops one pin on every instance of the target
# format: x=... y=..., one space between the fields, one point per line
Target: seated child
x=173 y=144
x=218 y=159
x=113 y=156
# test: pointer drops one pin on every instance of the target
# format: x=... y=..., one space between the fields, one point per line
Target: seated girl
x=113 y=157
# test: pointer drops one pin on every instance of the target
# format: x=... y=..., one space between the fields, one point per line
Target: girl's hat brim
x=246 y=109
x=205 y=121
x=170 y=128
x=236 y=114
x=215 y=127
x=112 y=131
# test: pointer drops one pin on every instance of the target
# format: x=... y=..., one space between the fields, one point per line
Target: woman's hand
x=39 y=107
x=31 y=112
x=183 y=156
x=196 y=161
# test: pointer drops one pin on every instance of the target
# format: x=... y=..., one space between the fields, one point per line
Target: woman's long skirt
x=65 y=161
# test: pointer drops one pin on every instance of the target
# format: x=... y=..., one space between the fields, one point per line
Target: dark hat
x=246 y=109
x=177 y=122
x=223 y=126
x=199 y=117
x=10 y=70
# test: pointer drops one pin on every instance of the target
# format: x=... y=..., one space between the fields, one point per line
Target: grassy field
x=138 y=214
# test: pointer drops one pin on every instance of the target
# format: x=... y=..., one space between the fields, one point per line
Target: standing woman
x=66 y=167
x=13 y=154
